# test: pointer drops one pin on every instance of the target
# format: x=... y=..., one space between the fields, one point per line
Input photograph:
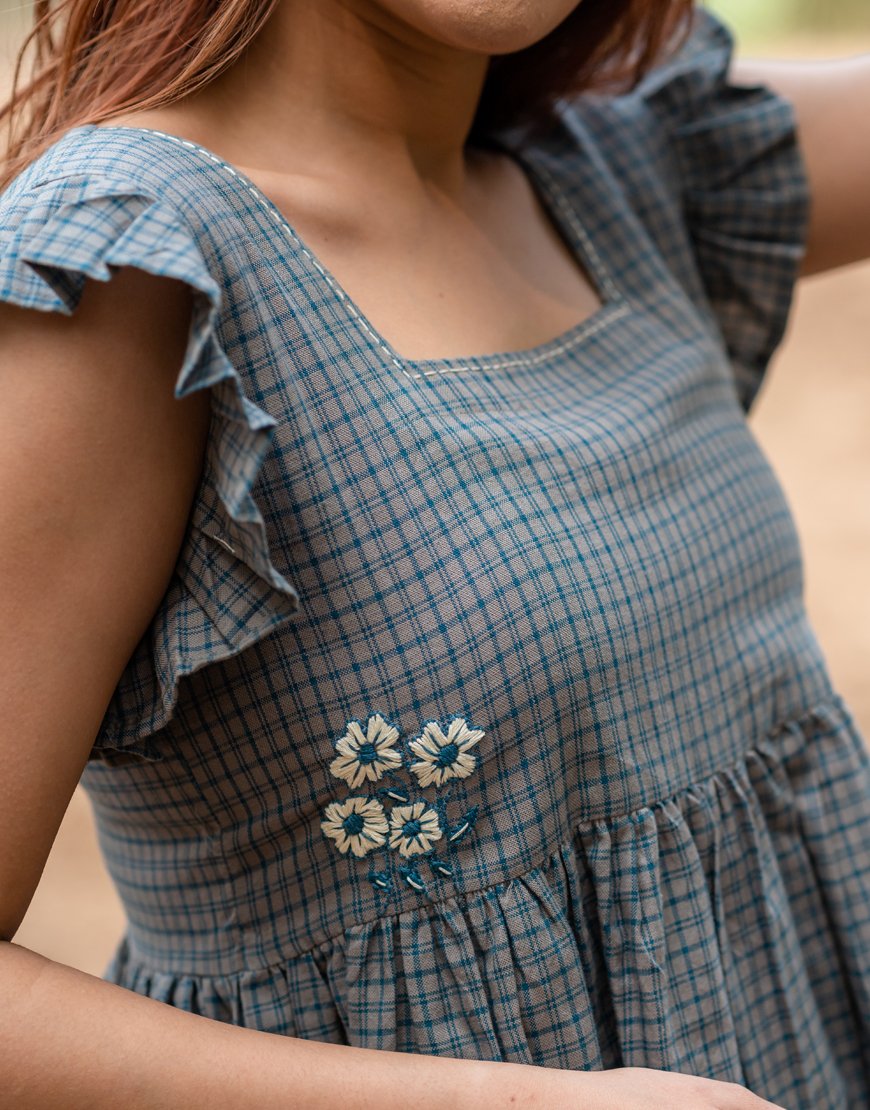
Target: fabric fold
x=716 y=175
x=745 y=191
x=226 y=592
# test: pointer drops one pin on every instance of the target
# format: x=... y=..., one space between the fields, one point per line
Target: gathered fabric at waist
x=246 y=895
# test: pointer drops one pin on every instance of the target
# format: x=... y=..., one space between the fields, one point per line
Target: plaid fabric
x=482 y=716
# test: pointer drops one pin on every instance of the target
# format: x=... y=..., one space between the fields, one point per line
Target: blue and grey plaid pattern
x=482 y=716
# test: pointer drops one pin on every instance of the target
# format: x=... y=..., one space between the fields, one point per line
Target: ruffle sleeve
x=724 y=160
x=225 y=592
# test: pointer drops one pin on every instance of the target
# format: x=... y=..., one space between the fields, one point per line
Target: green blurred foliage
x=760 y=19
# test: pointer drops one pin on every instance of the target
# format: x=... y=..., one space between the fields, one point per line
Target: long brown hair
x=95 y=59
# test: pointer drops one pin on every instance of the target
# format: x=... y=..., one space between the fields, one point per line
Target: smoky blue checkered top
x=481 y=715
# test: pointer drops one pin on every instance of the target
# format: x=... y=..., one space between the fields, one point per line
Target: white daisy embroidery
x=357 y=825
x=366 y=755
x=443 y=757
x=413 y=828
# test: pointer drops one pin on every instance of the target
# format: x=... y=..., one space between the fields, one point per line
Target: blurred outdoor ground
x=812 y=418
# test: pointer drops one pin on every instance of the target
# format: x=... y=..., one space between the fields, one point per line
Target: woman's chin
x=483 y=26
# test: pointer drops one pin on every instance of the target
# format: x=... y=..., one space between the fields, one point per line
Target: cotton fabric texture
x=482 y=716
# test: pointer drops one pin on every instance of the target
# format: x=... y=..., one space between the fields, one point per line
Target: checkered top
x=482 y=715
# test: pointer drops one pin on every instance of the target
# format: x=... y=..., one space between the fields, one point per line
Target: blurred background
x=812 y=419
x=802 y=21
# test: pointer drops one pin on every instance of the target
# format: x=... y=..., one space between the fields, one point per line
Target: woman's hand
x=525 y=1087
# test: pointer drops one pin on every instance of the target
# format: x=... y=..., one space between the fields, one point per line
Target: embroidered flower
x=382 y=818
x=443 y=757
x=357 y=825
x=366 y=755
x=413 y=828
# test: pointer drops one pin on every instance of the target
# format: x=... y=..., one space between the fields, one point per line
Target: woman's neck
x=329 y=86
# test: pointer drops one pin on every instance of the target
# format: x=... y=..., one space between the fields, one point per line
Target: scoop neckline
x=561 y=213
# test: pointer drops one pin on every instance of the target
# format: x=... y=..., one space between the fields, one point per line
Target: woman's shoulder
x=98 y=152
x=120 y=193
x=92 y=164
x=97 y=198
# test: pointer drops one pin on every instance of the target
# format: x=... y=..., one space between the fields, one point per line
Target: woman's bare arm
x=98 y=467
x=832 y=103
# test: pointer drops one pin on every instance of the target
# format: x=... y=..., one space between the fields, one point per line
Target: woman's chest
x=439 y=282
x=601 y=503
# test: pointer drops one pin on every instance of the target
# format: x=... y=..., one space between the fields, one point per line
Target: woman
x=452 y=721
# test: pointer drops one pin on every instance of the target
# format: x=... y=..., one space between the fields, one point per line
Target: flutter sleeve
x=225 y=592
x=725 y=160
